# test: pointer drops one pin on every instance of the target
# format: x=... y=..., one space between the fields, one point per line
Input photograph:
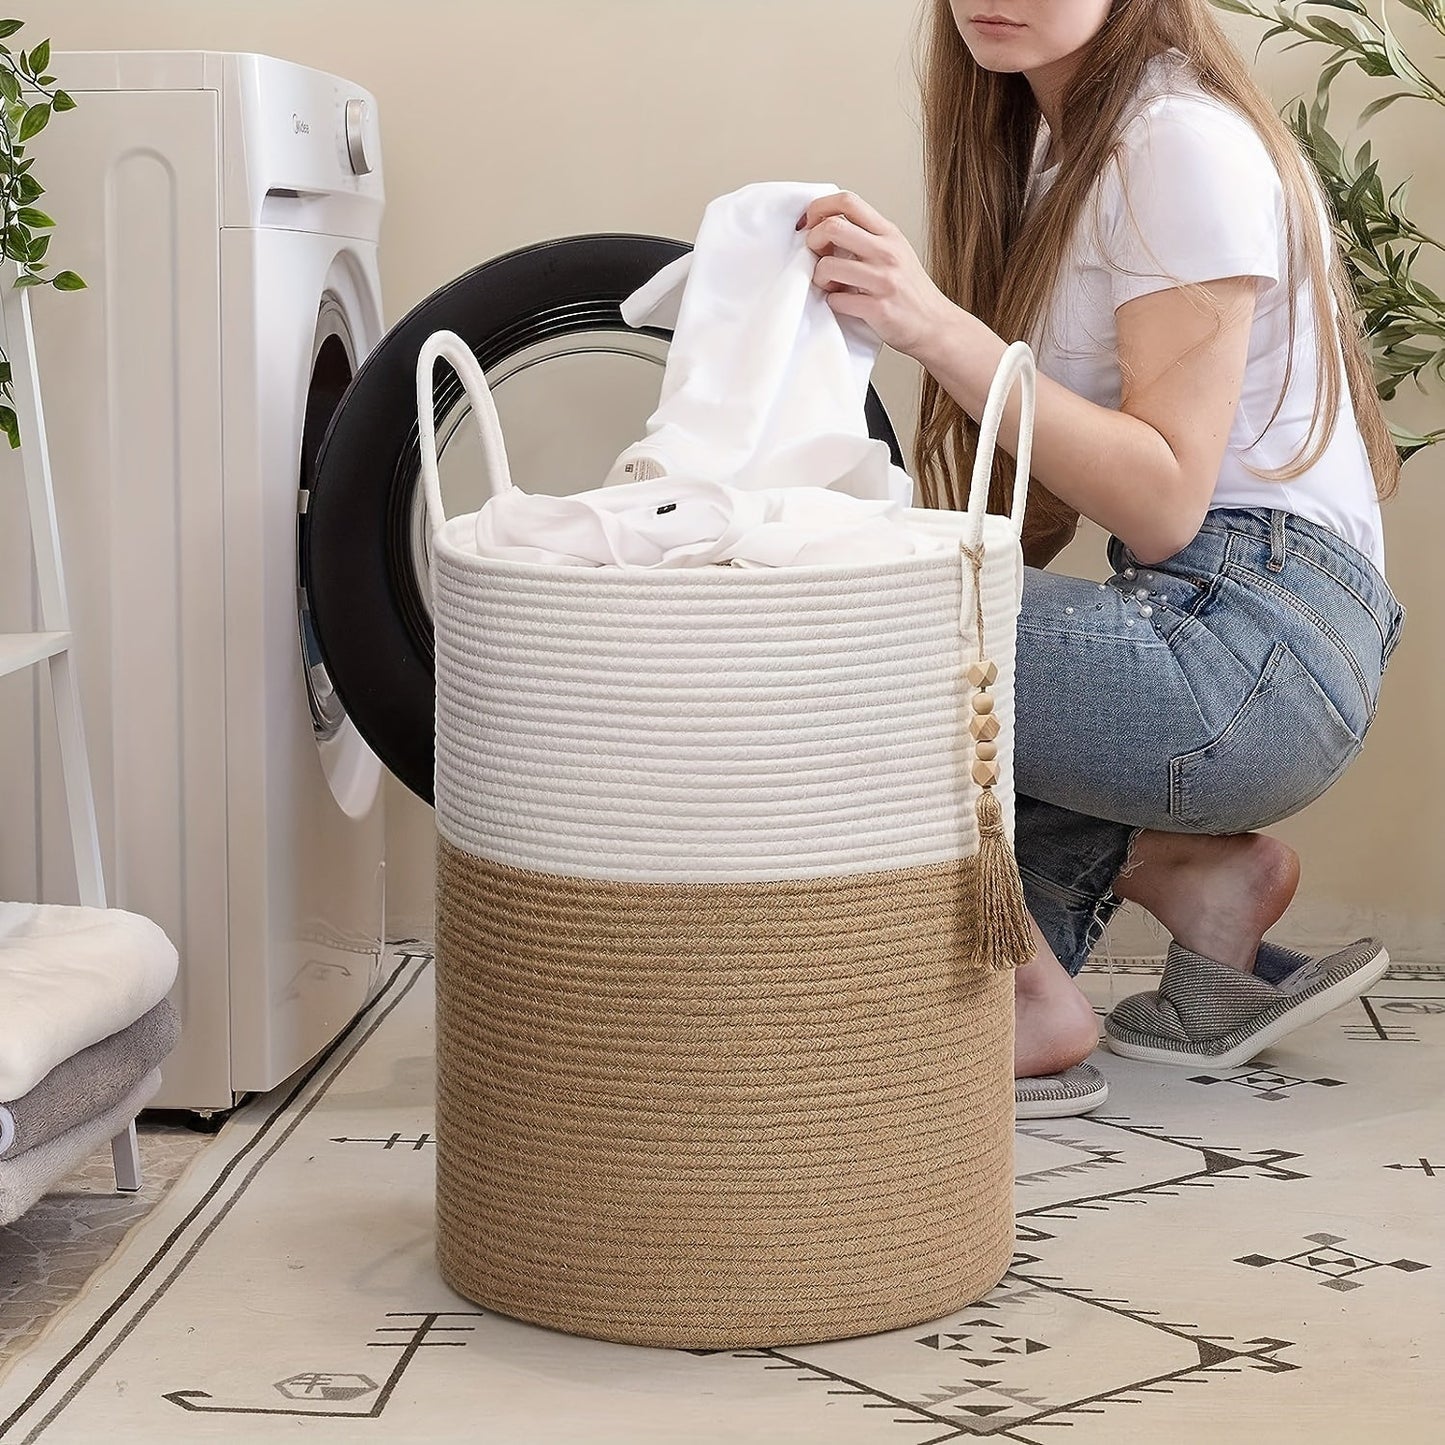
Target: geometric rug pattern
x=1215 y=1256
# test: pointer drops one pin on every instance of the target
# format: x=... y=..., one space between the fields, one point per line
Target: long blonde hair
x=990 y=257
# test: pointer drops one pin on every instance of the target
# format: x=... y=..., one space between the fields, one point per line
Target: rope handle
x=1003 y=932
x=1017 y=366
x=497 y=475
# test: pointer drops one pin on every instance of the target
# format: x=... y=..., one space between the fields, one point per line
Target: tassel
x=1005 y=940
x=1005 y=933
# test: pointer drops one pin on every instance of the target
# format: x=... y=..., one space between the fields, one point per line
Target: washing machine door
x=353 y=773
x=573 y=385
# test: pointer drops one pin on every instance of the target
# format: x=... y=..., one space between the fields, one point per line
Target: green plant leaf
x=68 y=281
x=62 y=101
x=9 y=86
x=36 y=119
x=1408 y=442
x=1346 y=37
x=1432 y=11
x=1376 y=106
x=10 y=425
x=1404 y=66
x=17 y=244
x=38 y=247
x=1327 y=75
x=37 y=220
x=9 y=27
x=27 y=189
x=40 y=58
x=22 y=281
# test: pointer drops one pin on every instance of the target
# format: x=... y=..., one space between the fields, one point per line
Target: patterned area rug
x=1256 y=1253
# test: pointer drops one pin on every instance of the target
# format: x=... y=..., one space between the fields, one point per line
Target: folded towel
x=28 y=1176
x=89 y=1083
x=70 y=977
x=765 y=383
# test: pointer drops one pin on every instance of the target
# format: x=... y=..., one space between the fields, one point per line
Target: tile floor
x=49 y=1254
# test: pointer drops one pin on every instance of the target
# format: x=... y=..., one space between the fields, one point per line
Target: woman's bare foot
x=1216 y=896
x=1055 y=1026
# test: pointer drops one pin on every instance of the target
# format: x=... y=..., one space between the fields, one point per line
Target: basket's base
x=728 y=1328
x=719 y=1116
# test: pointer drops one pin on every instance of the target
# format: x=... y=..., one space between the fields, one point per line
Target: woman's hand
x=869 y=270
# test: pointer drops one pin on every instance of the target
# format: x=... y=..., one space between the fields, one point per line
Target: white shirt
x=1204 y=201
x=765 y=383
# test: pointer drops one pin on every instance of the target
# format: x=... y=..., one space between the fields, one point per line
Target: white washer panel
x=175 y=390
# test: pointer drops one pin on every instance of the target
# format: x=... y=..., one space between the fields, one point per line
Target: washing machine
x=225 y=210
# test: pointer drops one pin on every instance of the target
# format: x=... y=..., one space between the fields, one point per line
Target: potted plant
x=1404 y=318
x=28 y=99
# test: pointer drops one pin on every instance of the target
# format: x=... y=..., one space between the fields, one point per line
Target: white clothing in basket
x=676 y=523
x=758 y=453
x=765 y=384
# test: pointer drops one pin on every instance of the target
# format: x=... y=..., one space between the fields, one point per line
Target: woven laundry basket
x=724 y=1008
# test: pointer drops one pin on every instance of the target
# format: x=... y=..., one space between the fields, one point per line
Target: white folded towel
x=765 y=384
x=70 y=977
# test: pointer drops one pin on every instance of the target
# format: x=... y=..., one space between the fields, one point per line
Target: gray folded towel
x=90 y=1083
x=28 y=1176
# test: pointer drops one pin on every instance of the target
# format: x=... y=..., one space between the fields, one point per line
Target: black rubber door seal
x=357 y=560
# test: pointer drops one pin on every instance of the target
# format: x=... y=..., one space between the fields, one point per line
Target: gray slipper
x=1060 y=1096
x=1274 y=962
x=1208 y=1013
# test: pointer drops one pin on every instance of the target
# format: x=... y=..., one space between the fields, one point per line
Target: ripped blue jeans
x=1218 y=692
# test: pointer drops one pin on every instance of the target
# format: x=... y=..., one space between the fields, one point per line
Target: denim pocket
x=1284 y=747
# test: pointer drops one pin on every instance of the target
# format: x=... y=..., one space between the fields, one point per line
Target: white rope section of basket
x=704 y=723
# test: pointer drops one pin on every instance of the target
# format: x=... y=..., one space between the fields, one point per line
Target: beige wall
x=509 y=121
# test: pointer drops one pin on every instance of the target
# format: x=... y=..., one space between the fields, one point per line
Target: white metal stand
x=52 y=644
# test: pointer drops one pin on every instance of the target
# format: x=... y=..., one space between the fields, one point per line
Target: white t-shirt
x=1204 y=201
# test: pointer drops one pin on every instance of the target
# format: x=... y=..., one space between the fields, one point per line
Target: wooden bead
x=985 y=751
x=985 y=774
x=986 y=728
x=983 y=674
x=983 y=702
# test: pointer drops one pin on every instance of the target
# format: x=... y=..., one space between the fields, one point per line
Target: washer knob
x=357 y=115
